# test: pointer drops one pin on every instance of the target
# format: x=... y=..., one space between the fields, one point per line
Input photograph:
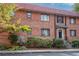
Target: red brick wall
x=4 y=39
x=72 y=27
x=36 y=24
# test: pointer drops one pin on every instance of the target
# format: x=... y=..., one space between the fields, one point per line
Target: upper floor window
x=60 y=19
x=29 y=15
x=44 y=17
x=72 y=32
x=45 y=32
x=72 y=21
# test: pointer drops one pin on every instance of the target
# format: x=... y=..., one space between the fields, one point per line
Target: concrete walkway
x=41 y=51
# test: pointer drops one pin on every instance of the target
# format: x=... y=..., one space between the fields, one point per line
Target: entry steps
x=67 y=44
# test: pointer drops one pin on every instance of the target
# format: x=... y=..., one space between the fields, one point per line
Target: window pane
x=45 y=32
x=44 y=17
x=29 y=14
x=59 y=19
x=72 y=21
x=41 y=17
x=72 y=32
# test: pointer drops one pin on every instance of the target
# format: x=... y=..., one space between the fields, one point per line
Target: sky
x=61 y=6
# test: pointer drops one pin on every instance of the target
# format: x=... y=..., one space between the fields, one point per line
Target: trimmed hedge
x=75 y=44
x=34 y=42
x=58 y=43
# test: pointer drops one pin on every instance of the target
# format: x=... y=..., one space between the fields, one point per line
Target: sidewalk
x=42 y=51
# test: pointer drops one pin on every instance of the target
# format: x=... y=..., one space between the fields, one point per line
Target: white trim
x=57 y=32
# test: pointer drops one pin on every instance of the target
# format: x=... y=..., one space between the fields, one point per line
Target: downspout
x=65 y=29
x=55 y=25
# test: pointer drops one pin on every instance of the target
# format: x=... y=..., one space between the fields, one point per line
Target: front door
x=60 y=33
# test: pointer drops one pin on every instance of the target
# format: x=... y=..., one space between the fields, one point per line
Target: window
x=29 y=15
x=59 y=19
x=44 y=17
x=29 y=33
x=45 y=32
x=72 y=32
x=60 y=33
x=72 y=20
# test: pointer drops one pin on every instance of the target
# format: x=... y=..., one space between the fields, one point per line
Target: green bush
x=31 y=42
x=38 y=43
x=45 y=43
x=17 y=48
x=75 y=44
x=13 y=38
x=58 y=43
x=2 y=47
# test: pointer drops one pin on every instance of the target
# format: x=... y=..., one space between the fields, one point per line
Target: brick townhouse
x=47 y=22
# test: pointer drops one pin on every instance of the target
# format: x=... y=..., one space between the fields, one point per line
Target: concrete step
x=67 y=44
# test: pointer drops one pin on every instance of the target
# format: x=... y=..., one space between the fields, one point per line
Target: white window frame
x=72 y=21
x=29 y=14
x=73 y=33
x=44 y=17
x=60 y=19
x=45 y=32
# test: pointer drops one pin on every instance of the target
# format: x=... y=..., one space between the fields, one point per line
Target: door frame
x=57 y=33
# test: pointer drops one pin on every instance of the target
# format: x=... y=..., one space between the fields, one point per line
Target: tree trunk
x=21 y=38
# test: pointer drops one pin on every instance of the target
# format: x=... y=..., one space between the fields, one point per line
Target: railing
x=67 y=44
x=61 y=25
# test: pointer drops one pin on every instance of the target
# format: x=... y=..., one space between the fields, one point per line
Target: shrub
x=38 y=43
x=2 y=47
x=45 y=43
x=75 y=44
x=13 y=38
x=31 y=42
x=17 y=48
x=58 y=43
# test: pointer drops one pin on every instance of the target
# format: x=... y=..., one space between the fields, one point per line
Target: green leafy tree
x=76 y=7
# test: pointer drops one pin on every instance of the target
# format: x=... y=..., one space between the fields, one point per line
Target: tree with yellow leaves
x=6 y=15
